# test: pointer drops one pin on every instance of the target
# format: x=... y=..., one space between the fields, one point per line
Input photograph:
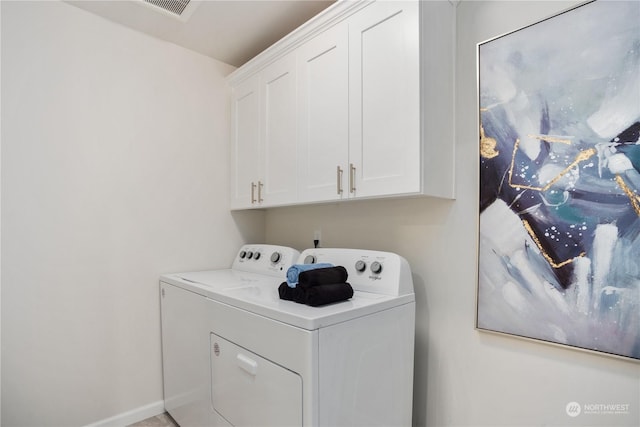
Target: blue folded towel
x=296 y=269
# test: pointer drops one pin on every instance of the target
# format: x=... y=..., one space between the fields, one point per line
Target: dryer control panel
x=369 y=271
x=271 y=260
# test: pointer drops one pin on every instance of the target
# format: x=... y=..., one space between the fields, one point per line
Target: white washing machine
x=186 y=325
x=280 y=363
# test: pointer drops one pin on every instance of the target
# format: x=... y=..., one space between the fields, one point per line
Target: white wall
x=464 y=377
x=114 y=170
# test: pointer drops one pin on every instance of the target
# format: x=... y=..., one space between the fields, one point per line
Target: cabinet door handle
x=253 y=191
x=339 y=179
x=260 y=185
x=352 y=178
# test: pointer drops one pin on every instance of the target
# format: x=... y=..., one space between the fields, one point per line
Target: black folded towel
x=290 y=294
x=326 y=294
x=323 y=276
x=316 y=295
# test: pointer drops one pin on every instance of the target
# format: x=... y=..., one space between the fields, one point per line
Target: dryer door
x=248 y=390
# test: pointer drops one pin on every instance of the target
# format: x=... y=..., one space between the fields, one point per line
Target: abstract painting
x=559 y=196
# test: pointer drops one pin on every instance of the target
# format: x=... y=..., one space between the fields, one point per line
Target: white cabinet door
x=384 y=99
x=245 y=143
x=279 y=134
x=323 y=116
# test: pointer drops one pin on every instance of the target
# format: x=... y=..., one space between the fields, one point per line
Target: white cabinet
x=245 y=142
x=370 y=86
x=264 y=137
x=279 y=134
x=384 y=100
x=360 y=106
x=323 y=70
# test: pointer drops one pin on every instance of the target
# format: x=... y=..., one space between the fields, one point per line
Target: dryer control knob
x=256 y=256
x=361 y=266
x=376 y=267
x=275 y=257
x=249 y=255
x=310 y=259
x=243 y=254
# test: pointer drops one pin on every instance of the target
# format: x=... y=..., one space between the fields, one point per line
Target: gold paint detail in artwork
x=543 y=252
x=487 y=145
x=581 y=157
x=551 y=138
x=633 y=198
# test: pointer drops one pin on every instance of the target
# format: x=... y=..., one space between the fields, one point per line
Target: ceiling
x=232 y=31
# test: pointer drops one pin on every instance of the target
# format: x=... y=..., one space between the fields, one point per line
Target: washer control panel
x=369 y=271
x=271 y=260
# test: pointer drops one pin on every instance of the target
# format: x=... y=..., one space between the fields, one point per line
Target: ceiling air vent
x=181 y=9
x=172 y=6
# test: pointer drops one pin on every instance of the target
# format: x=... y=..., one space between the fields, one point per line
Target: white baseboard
x=131 y=417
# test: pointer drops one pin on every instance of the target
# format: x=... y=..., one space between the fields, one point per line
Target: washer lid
x=208 y=283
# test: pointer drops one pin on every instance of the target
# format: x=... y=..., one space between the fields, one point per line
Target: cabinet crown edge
x=333 y=14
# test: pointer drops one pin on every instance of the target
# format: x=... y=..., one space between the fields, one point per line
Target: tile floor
x=162 y=420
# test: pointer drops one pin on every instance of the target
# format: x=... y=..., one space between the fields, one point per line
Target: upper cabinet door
x=279 y=132
x=384 y=99
x=323 y=115
x=245 y=143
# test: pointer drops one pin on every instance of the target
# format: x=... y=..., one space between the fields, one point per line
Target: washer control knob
x=376 y=267
x=275 y=257
x=249 y=255
x=243 y=254
x=256 y=256
x=361 y=266
x=310 y=259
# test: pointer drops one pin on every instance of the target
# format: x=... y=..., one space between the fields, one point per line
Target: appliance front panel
x=366 y=370
x=249 y=390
